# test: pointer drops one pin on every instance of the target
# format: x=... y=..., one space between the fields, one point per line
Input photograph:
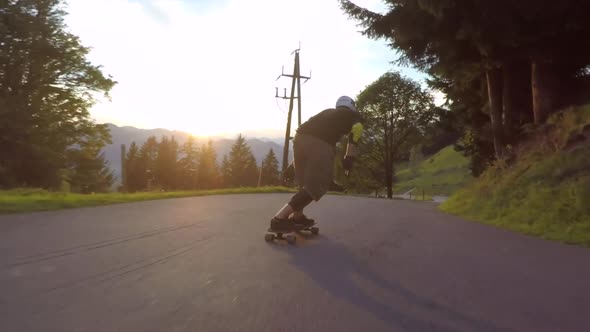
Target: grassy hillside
x=441 y=174
x=546 y=192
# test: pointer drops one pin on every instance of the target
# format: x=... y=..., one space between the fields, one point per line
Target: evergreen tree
x=208 y=172
x=135 y=169
x=506 y=55
x=89 y=171
x=46 y=89
x=147 y=159
x=242 y=164
x=225 y=172
x=166 y=163
x=270 y=170
x=252 y=172
x=189 y=164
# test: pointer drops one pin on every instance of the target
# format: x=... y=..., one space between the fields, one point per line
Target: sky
x=210 y=67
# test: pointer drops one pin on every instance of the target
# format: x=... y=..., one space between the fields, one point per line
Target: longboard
x=289 y=236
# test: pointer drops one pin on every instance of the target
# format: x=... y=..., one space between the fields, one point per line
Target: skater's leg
x=316 y=177
x=301 y=200
x=281 y=221
x=301 y=149
x=284 y=212
x=297 y=215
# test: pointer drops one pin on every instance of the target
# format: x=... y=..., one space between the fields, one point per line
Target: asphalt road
x=201 y=264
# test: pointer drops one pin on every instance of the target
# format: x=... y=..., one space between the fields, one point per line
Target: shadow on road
x=333 y=268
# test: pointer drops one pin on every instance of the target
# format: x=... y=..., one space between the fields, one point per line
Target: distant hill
x=126 y=135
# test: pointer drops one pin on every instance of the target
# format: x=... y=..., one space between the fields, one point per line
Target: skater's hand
x=347 y=164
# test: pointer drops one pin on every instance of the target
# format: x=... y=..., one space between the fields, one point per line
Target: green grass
x=441 y=174
x=29 y=200
x=546 y=193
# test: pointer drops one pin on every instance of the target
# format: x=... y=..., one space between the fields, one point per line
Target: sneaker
x=281 y=225
x=303 y=221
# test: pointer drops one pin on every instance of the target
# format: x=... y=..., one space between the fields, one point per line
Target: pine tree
x=147 y=159
x=270 y=170
x=166 y=163
x=135 y=169
x=208 y=173
x=189 y=164
x=225 y=172
x=521 y=59
x=242 y=164
x=252 y=172
x=89 y=171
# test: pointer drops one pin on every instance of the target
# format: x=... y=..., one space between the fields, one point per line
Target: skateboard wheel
x=315 y=230
x=269 y=237
x=290 y=239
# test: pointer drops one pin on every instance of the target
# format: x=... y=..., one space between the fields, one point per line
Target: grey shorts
x=313 y=160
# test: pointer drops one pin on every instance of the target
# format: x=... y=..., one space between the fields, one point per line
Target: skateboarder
x=314 y=149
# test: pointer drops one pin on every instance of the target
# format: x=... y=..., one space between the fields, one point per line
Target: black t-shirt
x=330 y=124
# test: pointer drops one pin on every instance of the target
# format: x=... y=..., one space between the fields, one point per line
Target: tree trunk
x=389 y=179
x=516 y=98
x=494 y=80
x=509 y=100
x=388 y=160
x=541 y=82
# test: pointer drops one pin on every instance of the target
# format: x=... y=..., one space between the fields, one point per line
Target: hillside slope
x=441 y=174
x=546 y=192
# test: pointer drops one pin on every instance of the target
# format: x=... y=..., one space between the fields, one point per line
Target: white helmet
x=346 y=101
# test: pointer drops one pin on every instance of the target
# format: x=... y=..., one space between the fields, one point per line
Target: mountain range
x=222 y=145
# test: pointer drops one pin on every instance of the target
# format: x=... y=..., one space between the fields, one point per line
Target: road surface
x=201 y=264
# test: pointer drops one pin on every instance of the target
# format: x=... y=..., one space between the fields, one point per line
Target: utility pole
x=296 y=82
x=123 y=169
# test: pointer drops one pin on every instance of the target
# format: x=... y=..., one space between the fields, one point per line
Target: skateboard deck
x=288 y=235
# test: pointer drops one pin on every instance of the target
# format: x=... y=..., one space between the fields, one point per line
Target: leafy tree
x=270 y=170
x=396 y=111
x=47 y=86
x=366 y=178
